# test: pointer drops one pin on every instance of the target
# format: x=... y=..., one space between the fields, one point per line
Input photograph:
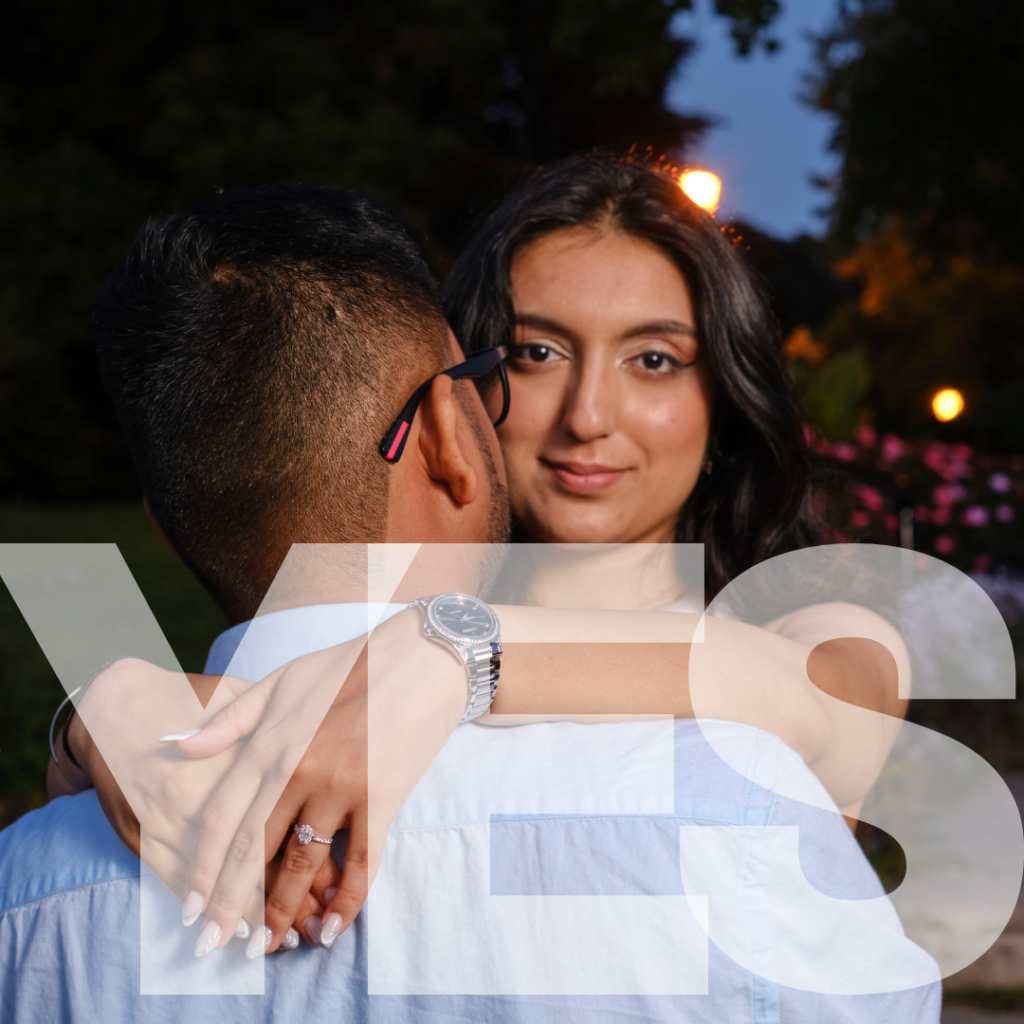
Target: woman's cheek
x=532 y=411
x=673 y=434
x=520 y=452
x=525 y=486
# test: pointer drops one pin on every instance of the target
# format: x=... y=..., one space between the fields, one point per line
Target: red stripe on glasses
x=398 y=440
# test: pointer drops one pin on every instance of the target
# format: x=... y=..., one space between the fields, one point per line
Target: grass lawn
x=29 y=690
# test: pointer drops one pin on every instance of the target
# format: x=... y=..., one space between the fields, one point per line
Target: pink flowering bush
x=976 y=515
x=945 y=499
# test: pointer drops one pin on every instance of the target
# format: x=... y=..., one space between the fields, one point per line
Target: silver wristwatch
x=469 y=628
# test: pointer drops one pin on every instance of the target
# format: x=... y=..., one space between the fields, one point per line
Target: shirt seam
x=689 y=818
x=61 y=892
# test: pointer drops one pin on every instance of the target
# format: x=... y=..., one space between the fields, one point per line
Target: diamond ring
x=307 y=835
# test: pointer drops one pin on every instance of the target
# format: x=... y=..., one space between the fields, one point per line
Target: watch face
x=463 y=618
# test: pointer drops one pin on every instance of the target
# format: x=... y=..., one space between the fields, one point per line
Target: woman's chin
x=572 y=545
x=585 y=530
x=597 y=528
x=543 y=517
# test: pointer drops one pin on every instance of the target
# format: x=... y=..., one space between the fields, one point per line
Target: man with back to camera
x=258 y=376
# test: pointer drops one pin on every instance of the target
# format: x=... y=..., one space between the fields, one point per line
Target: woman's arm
x=859 y=661
x=606 y=663
x=825 y=679
x=793 y=678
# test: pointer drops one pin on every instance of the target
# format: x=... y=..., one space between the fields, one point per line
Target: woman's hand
x=66 y=778
x=114 y=738
x=339 y=739
x=160 y=781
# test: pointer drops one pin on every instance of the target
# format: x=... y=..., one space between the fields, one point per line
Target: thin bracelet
x=74 y=708
x=53 y=722
x=64 y=740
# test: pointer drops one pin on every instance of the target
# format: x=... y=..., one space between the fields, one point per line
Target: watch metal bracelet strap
x=484 y=666
x=481 y=655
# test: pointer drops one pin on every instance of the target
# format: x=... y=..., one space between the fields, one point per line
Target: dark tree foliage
x=111 y=112
x=929 y=207
x=750 y=23
x=803 y=290
x=927 y=95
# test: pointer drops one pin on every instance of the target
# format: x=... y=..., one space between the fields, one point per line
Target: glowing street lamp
x=703 y=187
x=947 y=404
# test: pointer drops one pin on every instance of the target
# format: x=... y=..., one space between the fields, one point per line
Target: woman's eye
x=535 y=353
x=658 y=362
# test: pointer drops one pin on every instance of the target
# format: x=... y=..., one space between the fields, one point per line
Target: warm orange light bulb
x=947 y=404
x=703 y=187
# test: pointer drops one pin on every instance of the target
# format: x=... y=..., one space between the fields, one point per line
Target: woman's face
x=611 y=403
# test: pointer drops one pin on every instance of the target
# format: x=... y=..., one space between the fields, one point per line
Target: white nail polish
x=329 y=894
x=290 y=940
x=192 y=908
x=261 y=938
x=243 y=929
x=173 y=737
x=209 y=939
x=330 y=930
x=313 y=927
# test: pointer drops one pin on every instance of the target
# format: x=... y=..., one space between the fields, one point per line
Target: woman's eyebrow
x=661 y=327
x=542 y=323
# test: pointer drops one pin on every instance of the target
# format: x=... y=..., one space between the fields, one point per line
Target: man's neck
x=322 y=574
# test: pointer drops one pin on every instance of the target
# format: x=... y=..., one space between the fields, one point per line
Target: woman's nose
x=589 y=405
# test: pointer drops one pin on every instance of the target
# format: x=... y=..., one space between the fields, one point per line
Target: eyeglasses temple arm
x=394 y=441
x=475 y=366
x=478 y=363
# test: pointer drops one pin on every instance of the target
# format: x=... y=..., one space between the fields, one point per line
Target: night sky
x=768 y=143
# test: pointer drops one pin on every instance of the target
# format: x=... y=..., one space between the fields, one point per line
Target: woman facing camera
x=648 y=400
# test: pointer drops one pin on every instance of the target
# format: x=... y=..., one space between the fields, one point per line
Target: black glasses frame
x=479 y=364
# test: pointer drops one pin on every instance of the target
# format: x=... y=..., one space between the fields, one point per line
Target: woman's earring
x=709 y=452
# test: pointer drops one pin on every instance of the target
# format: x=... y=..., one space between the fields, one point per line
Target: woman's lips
x=583 y=478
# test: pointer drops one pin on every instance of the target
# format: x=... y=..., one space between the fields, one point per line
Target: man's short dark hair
x=256 y=347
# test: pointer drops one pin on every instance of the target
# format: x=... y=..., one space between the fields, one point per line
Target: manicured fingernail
x=209 y=939
x=330 y=930
x=313 y=927
x=243 y=929
x=290 y=940
x=192 y=908
x=173 y=737
x=329 y=894
x=258 y=943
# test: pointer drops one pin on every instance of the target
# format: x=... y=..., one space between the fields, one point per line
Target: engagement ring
x=307 y=835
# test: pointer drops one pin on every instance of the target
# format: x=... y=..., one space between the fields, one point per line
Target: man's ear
x=444 y=436
x=157 y=527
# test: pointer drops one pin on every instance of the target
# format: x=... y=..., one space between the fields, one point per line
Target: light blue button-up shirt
x=551 y=872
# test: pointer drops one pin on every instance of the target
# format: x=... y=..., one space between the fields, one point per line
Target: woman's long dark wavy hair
x=756 y=500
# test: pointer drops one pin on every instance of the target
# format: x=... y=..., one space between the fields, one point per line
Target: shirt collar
x=253 y=649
